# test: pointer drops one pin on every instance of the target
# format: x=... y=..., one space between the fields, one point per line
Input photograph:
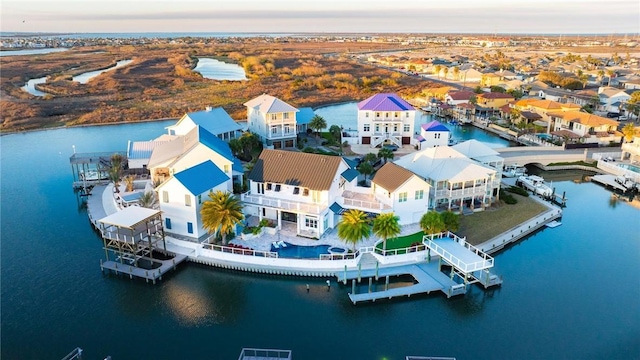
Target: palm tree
x=456 y=72
x=386 y=226
x=317 y=123
x=114 y=177
x=431 y=223
x=629 y=132
x=354 y=227
x=600 y=76
x=249 y=142
x=610 y=74
x=450 y=220
x=128 y=180
x=385 y=153
x=445 y=70
x=436 y=70
x=365 y=168
x=370 y=158
x=147 y=200
x=222 y=212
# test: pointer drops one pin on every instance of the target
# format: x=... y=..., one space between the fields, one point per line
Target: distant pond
x=219 y=70
x=83 y=78
x=31 y=51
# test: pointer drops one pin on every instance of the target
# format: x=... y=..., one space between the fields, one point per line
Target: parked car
x=391 y=147
x=613 y=114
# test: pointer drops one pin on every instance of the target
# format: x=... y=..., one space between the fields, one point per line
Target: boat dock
x=147 y=274
x=609 y=181
x=427 y=275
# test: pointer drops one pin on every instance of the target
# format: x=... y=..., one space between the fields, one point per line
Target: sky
x=326 y=16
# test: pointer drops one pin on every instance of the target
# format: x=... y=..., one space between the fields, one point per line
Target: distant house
x=303 y=118
x=458 y=97
x=433 y=134
x=490 y=79
x=215 y=120
x=493 y=100
x=385 y=119
x=273 y=121
x=591 y=128
x=181 y=197
x=611 y=99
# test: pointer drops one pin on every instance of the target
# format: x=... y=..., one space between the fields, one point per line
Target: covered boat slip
x=133 y=234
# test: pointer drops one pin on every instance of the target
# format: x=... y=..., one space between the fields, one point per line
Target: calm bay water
x=219 y=70
x=346 y=115
x=569 y=293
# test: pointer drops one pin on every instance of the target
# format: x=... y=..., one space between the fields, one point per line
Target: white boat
x=626 y=182
x=536 y=185
x=514 y=171
x=93 y=175
x=553 y=224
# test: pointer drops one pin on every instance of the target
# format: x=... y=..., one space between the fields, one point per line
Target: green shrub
x=517 y=190
x=507 y=198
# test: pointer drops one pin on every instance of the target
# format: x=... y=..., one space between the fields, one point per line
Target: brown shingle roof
x=584 y=118
x=312 y=171
x=391 y=176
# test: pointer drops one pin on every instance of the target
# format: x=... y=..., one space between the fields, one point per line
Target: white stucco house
x=456 y=182
x=273 y=121
x=181 y=197
x=433 y=134
x=215 y=120
x=385 y=119
x=310 y=192
x=590 y=128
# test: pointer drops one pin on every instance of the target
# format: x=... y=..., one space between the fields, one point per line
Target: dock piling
x=370 y=281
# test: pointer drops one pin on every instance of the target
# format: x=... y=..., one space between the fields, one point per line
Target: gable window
x=269 y=186
x=407 y=128
x=367 y=127
x=277 y=187
x=377 y=114
x=296 y=190
x=226 y=168
x=402 y=197
x=187 y=200
x=419 y=194
x=274 y=116
x=366 y=114
x=395 y=114
x=305 y=192
x=386 y=115
x=407 y=114
x=165 y=196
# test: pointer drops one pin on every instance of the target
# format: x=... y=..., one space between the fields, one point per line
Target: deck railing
x=486 y=262
x=240 y=251
x=141 y=236
x=282 y=204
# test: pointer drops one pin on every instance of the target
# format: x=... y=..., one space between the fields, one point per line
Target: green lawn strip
x=583 y=163
x=482 y=226
x=402 y=241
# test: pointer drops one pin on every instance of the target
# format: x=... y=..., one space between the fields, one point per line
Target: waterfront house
x=303 y=118
x=403 y=191
x=385 y=119
x=632 y=149
x=182 y=195
x=139 y=152
x=611 y=99
x=215 y=120
x=486 y=156
x=456 y=182
x=186 y=151
x=433 y=134
x=273 y=121
x=493 y=100
x=458 y=97
x=591 y=128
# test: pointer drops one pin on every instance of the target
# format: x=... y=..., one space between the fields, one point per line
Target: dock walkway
x=146 y=274
x=428 y=277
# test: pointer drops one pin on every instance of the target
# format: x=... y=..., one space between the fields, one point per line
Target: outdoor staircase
x=368 y=261
x=378 y=140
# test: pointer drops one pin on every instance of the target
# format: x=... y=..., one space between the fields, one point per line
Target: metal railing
x=376 y=205
x=486 y=262
x=282 y=204
x=240 y=251
x=141 y=236
x=476 y=190
x=266 y=354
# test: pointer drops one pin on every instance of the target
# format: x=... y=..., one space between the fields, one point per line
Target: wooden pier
x=153 y=274
x=427 y=275
x=609 y=181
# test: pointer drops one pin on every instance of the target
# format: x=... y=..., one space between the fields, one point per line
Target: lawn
x=403 y=241
x=488 y=224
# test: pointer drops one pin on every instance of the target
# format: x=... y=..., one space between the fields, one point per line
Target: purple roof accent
x=385 y=102
x=420 y=138
x=434 y=126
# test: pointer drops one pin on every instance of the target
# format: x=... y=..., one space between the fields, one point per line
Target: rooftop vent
x=208 y=108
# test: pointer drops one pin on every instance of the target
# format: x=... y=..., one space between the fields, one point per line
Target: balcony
x=286 y=205
x=361 y=201
x=460 y=193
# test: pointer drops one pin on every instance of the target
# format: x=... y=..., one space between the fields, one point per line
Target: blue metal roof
x=350 y=174
x=352 y=163
x=434 y=126
x=237 y=165
x=215 y=120
x=337 y=209
x=201 y=177
x=304 y=115
x=215 y=143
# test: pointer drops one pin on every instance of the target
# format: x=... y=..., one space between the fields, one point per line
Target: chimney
x=208 y=108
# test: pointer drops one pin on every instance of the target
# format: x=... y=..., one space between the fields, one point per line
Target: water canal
x=569 y=292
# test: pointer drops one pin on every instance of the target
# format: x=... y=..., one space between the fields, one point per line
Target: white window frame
x=187 y=200
x=402 y=197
